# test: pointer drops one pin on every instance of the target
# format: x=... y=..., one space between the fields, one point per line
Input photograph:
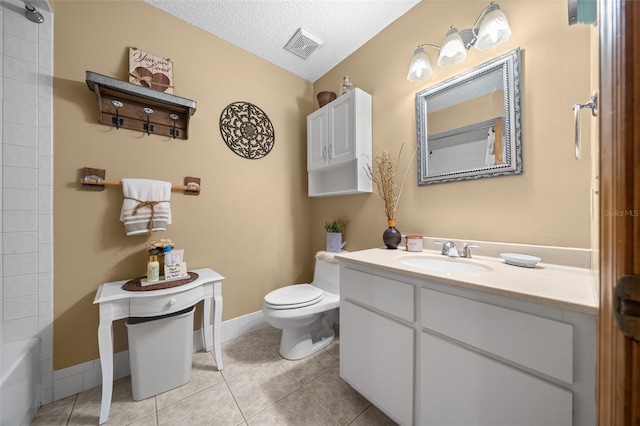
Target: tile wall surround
x=26 y=181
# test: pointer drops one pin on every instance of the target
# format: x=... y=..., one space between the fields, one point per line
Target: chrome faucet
x=449 y=249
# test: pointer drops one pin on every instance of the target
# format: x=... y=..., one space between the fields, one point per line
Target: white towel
x=328 y=256
x=146 y=207
x=490 y=157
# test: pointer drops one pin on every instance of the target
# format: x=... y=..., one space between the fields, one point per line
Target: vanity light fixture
x=490 y=29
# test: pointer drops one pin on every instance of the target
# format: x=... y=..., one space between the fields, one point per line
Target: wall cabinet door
x=342 y=122
x=476 y=390
x=376 y=358
x=317 y=139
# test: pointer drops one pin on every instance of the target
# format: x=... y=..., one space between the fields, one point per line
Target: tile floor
x=256 y=387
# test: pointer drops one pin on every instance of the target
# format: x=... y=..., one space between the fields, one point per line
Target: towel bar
x=95 y=178
x=593 y=105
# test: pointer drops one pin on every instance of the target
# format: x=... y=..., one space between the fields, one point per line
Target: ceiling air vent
x=303 y=43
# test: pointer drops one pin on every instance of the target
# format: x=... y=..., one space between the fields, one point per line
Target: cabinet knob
x=172 y=301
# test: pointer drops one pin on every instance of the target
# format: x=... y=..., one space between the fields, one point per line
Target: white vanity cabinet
x=459 y=356
x=376 y=341
x=494 y=349
x=339 y=146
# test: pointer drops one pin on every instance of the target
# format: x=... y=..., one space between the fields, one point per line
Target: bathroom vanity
x=501 y=345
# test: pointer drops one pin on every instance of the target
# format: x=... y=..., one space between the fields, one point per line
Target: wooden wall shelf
x=122 y=104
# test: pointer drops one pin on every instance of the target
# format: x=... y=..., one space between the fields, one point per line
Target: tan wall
x=549 y=204
x=251 y=222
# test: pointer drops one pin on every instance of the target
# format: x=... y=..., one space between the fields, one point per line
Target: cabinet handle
x=324 y=153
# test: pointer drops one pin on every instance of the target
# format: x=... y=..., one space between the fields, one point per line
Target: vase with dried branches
x=382 y=172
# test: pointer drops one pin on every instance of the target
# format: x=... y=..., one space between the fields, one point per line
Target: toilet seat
x=293 y=296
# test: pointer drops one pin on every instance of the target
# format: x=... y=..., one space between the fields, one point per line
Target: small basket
x=326 y=97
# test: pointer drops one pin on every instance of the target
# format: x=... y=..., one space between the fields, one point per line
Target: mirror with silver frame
x=468 y=127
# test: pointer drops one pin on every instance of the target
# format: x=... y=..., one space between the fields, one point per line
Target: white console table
x=116 y=303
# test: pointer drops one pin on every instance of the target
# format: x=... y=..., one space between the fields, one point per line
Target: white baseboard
x=233 y=328
x=80 y=377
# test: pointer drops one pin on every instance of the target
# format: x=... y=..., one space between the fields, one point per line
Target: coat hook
x=148 y=126
x=117 y=121
x=174 y=132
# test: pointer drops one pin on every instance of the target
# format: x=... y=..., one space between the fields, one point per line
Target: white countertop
x=560 y=286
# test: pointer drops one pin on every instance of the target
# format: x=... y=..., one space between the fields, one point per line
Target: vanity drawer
x=165 y=304
x=535 y=342
x=384 y=294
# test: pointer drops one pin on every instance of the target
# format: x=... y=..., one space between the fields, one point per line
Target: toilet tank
x=326 y=274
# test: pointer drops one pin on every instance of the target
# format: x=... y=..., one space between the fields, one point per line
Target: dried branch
x=382 y=173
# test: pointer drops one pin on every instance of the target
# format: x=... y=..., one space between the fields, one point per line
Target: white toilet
x=304 y=312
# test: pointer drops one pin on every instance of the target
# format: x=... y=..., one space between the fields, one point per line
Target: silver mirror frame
x=510 y=65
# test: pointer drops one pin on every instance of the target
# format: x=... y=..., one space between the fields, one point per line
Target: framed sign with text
x=147 y=70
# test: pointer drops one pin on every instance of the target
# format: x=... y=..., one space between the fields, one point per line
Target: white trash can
x=160 y=351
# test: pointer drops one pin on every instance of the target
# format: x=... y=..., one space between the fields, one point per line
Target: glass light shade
x=420 y=67
x=452 y=51
x=494 y=29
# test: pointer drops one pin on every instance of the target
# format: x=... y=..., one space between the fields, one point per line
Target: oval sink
x=445 y=265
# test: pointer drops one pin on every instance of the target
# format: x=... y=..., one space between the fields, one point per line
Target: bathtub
x=19 y=388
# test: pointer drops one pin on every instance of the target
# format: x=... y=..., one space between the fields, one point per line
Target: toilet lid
x=293 y=296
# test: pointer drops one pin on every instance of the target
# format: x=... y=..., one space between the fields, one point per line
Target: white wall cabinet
x=339 y=146
x=457 y=356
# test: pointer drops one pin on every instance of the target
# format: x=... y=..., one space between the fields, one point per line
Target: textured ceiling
x=263 y=27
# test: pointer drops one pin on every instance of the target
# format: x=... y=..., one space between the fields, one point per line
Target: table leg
x=105 y=344
x=206 y=330
x=217 y=320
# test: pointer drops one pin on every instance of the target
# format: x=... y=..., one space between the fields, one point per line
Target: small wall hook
x=174 y=132
x=148 y=126
x=117 y=121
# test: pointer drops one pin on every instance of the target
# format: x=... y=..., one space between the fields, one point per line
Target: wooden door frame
x=618 y=391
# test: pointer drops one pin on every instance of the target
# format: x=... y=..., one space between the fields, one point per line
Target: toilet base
x=297 y=343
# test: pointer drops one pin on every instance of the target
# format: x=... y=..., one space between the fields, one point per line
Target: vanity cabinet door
x=376 y=358
x=535 y=342
x=476 y=390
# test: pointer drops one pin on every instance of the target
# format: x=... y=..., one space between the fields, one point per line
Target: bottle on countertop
x=168 y=257
x=153 y=269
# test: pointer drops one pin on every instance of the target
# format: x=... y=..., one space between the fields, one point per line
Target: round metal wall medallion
x=247 y=130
